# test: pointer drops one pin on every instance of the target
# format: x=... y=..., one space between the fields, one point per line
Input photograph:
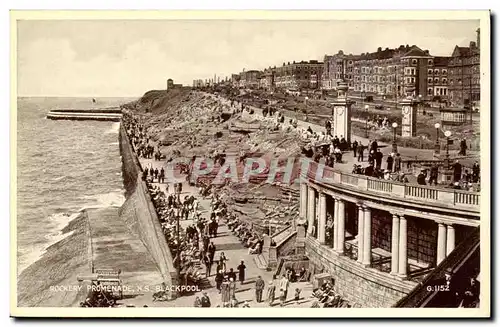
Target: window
x=429 y=80
x=444 y=80
x=429 y=72
x=436 y=80
x=429 y=62
x=444 y=72
x=414 y=61
x=429 y=91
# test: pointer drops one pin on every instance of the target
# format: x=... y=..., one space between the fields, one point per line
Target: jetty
x=102 y=114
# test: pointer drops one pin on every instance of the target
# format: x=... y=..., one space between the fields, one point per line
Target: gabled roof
x=416 y=52
x=460 y=51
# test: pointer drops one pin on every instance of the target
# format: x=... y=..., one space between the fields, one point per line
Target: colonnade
x=399 y=237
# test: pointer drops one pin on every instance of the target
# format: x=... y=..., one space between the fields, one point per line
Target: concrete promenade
x=228 y=243
x=114 y=246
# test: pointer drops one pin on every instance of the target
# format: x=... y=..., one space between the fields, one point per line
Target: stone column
x=303 y=200
x=341 y=229
x=335 y=223
x=403 y=247
x=441 y=243
x=361 y=232
x=395 y=245
x=322 y=218
x=311 y=209
x=367 y=243
x=450 y=239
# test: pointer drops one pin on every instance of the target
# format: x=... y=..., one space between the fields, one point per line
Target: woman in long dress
x=225 y=293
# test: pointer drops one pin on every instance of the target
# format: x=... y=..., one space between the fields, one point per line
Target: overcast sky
x=128 y=58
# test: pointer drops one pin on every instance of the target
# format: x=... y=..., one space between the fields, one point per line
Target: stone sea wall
x=139 y=213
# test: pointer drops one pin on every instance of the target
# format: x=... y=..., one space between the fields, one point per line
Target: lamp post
x=366 y=121
x=305 y=102
x=437 y=147
x=420 y=103
x=447 y=160
x=394 y=144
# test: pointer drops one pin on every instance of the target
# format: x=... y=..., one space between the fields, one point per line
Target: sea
x=63 y=167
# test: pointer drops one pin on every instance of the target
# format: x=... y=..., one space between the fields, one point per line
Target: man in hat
x=259 y=288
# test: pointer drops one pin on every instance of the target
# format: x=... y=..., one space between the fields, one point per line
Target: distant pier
x=102 y=114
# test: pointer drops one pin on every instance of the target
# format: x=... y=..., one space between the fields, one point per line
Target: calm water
x=62 y=167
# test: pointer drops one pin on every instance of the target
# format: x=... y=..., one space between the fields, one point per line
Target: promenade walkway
x=235 y=252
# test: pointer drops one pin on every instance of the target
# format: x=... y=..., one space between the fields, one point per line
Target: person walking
x=434 y=174
x=241 y=271
x=232 y=289
x=259 y=288
x=361 y=150
x=225 y=293
x=284 y=283
x=397 y=163
x=208 y=265
x=219 y=278
x=271 y=291
x=354 y=148
x=390 y=160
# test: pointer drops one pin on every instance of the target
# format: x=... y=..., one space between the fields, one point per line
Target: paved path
x=228 y=243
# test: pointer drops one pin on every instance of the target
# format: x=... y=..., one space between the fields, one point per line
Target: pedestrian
x=232 y=288
x=271 y=291
x=354 y=147
x=219 y=278
x=390 y=160
x=457 y=171
x=208 y=265
x=205 y=301
x=434 y=174
x=421 y=178
x=197 y=302
x=361 y=150
x=259 y=288
x=475 y=172
x=225 y=293
x=241 y=271
x=283 y=289
x=378 y=159
x=231 y=274
x=397 y=163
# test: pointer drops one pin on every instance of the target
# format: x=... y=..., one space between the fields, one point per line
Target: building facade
x=437 y=78
x=299 y=75
x=464 y=74
x=250 y=79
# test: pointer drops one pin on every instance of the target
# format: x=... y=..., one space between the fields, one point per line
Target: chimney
x=426 y=52
x=379 y=49
x=472 y=44
x=478 y=31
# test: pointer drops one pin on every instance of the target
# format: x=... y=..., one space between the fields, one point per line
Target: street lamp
x=420 y=102
x=366 y=121
x=394 y=144
x=437 y=147
x=305 y=102
x=447 y=161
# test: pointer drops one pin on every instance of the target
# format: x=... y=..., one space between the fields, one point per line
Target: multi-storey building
x=464 y=74
x=387 y=73
x=437 y=78
x=299 y=75
x=267 y=79
x=250 y=79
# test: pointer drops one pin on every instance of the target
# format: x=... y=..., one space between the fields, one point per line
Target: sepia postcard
x=250 y=164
